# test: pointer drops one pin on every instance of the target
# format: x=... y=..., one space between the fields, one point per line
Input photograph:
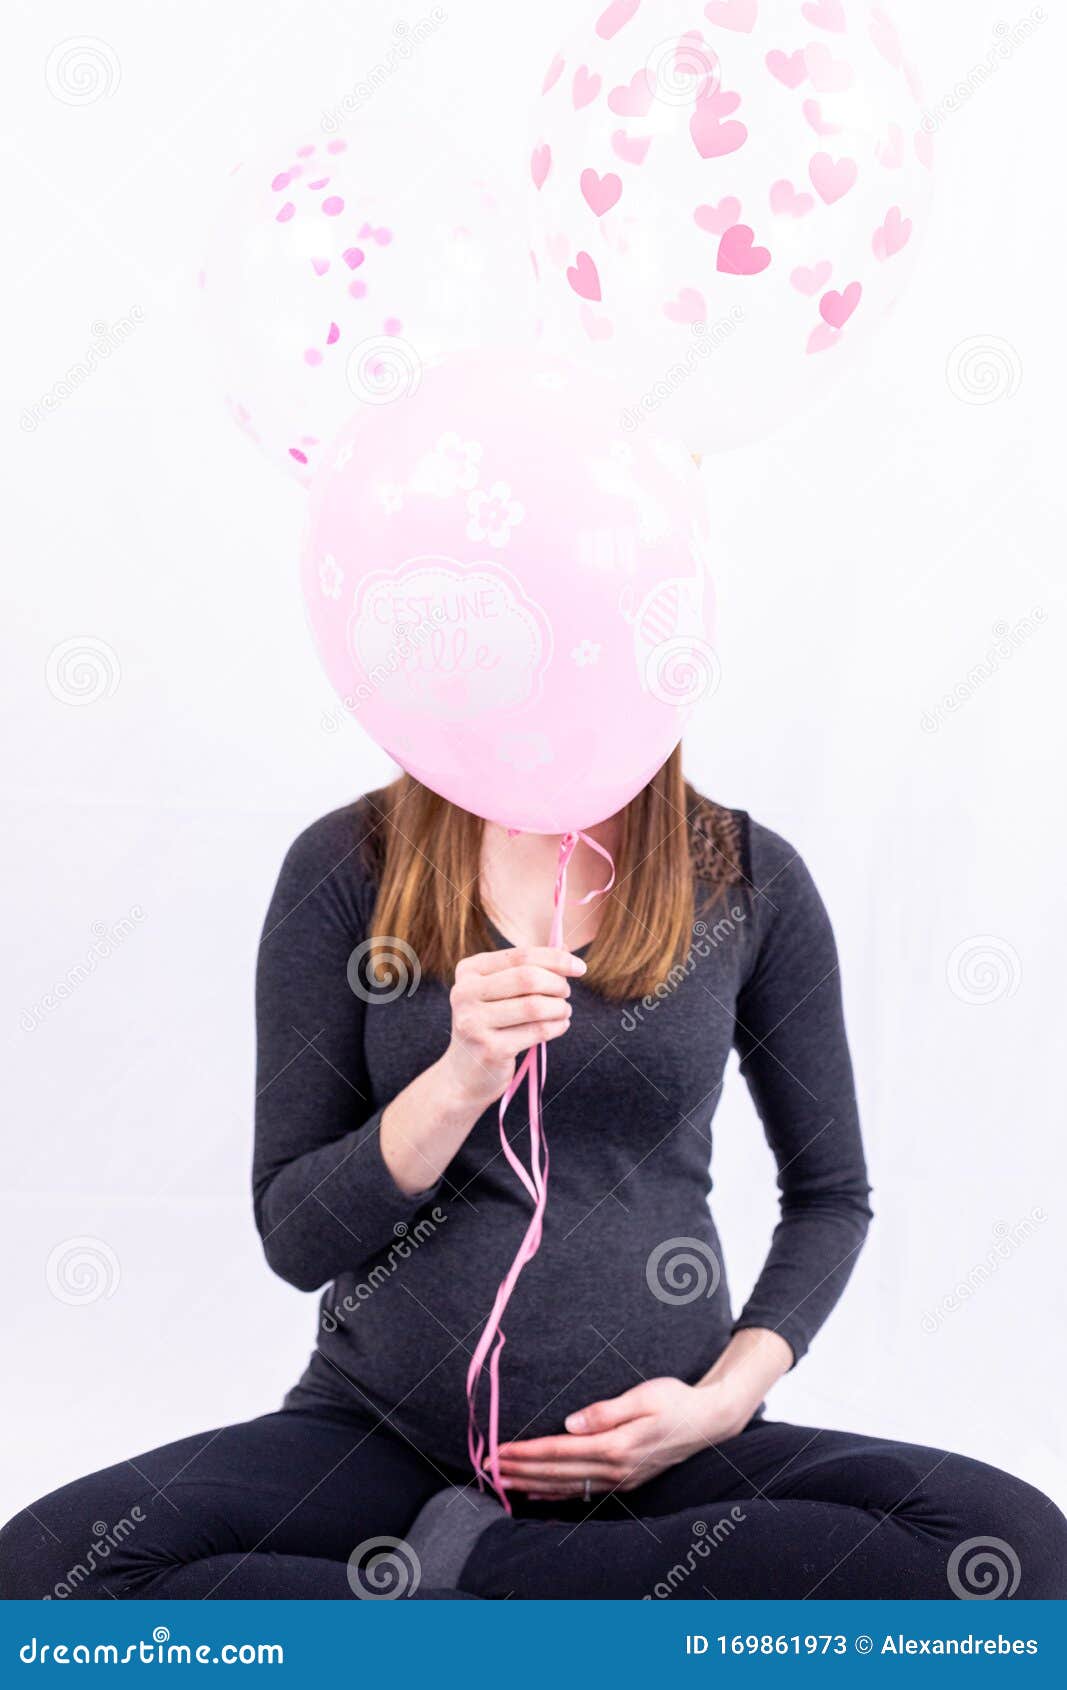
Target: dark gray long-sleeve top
x=629 y=1281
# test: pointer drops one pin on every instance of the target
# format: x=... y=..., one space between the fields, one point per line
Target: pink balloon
x=510 y=594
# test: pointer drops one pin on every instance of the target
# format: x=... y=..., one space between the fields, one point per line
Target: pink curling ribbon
x=485 y=1448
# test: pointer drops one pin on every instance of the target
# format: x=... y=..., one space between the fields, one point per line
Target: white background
x=865 y=556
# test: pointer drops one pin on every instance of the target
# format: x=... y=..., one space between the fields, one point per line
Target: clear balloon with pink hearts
x=726 y=201
x=511 y=596
x=336 y=274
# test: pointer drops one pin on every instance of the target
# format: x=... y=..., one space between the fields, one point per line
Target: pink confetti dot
x=295 y=452
x=358 y=289
x=281 y=181
x=305 y=152
x=288 y=210
x=333 y=206
x=320 y=266
x=334 y=334
x=353 y=257
x=392 y=325
x=337 y=147
x=313 y=356
x=322 y=182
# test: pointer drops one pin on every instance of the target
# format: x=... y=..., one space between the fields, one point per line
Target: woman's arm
x=333 y=1175
x=790 y=1035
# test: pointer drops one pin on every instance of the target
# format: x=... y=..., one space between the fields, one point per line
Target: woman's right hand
x=502 y=1003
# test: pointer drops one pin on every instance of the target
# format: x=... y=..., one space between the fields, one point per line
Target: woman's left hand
x=625 y=1441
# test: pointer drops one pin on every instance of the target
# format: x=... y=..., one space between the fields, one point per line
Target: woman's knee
x=1008 y=1538
x=63 y=1548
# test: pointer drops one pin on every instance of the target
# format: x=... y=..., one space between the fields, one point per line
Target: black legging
x=276 y=1508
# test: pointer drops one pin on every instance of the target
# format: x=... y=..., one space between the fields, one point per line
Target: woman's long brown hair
x=427 y=858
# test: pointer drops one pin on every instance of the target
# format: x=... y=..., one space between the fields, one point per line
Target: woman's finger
x=516 y=1012
x=528 y=956
x=514 y=1040
x=522 y=982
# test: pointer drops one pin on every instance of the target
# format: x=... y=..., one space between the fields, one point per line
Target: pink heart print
x=597 y=328
x=832 y=178
x=826 y=14
x=924 y=148
x=553 y=73
x=810 y=281
x=813 y=112
x=632 y=99
x=540 y=164
x=716 y=219
x=733 y=14
x=737 y=255
x=600 y=192
x=828 y=75
x=836 y=308
x=711 y=137
x=689 y=307
x=885 y=37
x=786 y=202
x=632 y=149
x=893 y=236
x=611 y=21
x=586 y=87
x=584 y=277
x=789 y=68
x=822 y=337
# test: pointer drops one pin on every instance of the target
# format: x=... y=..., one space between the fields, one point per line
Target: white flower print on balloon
x=331 y=575
x=452 y=467
x=586 y=652
x=493 y=514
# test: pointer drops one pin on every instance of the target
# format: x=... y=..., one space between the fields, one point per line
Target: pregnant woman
x=634 y=1448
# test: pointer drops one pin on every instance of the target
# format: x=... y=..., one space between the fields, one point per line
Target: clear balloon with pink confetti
x=335 y=276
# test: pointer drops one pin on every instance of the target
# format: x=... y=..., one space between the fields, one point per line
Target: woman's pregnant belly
x=617 y=1294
